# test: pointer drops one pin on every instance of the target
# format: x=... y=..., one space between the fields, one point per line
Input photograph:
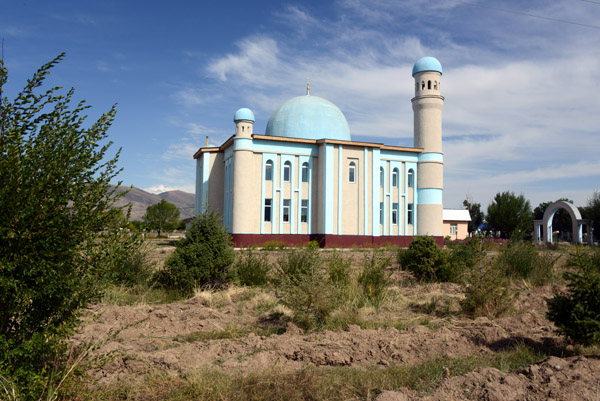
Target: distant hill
x=140 y=200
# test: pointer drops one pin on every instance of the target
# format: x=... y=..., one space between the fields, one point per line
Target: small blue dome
x=243 y=114
x=427 y=64
x=309 y=117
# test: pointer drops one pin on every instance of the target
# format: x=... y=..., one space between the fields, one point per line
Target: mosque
x=306 y=179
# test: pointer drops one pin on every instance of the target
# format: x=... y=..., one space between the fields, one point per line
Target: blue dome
x=243 y=114
x=309 y=117
x=427 y=64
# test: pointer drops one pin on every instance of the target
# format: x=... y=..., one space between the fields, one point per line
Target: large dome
x=309 y=117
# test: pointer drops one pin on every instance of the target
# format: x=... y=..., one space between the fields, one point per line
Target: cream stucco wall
x=462 y=229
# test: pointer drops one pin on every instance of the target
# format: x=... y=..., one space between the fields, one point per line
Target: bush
x=487 y=292
x=273 y=245
x=303 y=286
x=373 y=278
x=251 y=269
x=426 y=260
x=523 y=260
x=577 y=313
x=55 y=200
x=201 y=258
x=339 y=269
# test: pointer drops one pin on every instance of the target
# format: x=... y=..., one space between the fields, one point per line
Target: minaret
x=427 y=108
x=242 y=189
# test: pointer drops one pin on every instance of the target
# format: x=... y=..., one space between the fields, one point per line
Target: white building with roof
x=306 y=179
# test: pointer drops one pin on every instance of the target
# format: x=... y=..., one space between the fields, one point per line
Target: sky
x=521 y=79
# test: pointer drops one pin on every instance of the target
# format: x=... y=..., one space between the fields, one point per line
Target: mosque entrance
x=542 y=229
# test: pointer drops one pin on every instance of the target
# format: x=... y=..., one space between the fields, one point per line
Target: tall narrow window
x=409 y=218
x=380 y=212
x=395 y=178
x=286 y=210
x=411 y=178
x=453 y=228
x=304 y=211
x=269 y=170
x=381 y=177
x=352 y=172
x=305 y=172
x=268 y=204
x=394 y=213
x=287 y=168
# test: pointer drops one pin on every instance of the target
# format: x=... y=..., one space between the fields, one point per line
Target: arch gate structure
x=542 y=229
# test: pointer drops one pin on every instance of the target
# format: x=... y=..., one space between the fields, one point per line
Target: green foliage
x=338 y=268
x=522 y=260
x=201 y=258
x=273 y=245
x=475 y=212
x=251 y=269
x=162 y=216
x=373 y=279
x=487 y=292
x=303 y=286
x=592 y=211
x=426 y=260
x=465 y=255
x=577 y=313
x=510 y=214
x=55 y=199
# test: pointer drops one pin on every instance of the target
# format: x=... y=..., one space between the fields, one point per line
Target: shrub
x=523 y=260
x=339 y=269
x=373 y=278
x=577 y=313
x=199 y=259
x=487 y=292
x=273 y=245
x=426 y=260
x=251 y=269
x=303 y=286
x=55 y=199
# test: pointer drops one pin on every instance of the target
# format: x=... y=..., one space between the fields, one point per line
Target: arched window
x=269 y=170
x=428 y=84
x=352 y=172
x=434 y=84
x=381 y=177
x=305 y=172
x=411 y=178
x=287 y=169
x=422 y=85
x=395 y=178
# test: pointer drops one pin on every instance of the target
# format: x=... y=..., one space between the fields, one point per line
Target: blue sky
x=522 y=110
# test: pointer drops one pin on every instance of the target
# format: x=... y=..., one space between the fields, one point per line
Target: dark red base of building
x=326 y=240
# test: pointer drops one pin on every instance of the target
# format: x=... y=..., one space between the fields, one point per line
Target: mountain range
x=140 y=200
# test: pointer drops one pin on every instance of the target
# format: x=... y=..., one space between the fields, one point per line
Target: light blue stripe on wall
x=366 y=190
x=261 y=145
x=339 y=188
x=328 y=190
x=430 y=196
x=205 y=179
x=431 y=157
x=375 y=193
x=242 y=143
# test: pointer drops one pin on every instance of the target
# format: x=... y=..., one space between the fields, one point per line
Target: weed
x=251 y=269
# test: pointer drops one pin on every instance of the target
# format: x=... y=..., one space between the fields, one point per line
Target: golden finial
x=307 y=86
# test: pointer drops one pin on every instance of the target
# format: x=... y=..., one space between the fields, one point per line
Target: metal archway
x=543 y=228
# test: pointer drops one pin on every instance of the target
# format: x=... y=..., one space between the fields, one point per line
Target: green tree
x=55 y=200
x=592 y=211
x=201 y=258
x=162 y=216
x=477 y=215
x=576 y=314
x=510 y=214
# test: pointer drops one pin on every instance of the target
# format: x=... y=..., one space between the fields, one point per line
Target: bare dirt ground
x=176 y=338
